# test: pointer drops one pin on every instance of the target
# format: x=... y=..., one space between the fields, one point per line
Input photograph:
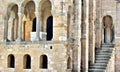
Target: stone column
x=5 y=28
x=19 y=39
x=98 y=25
x=91 y=31
x=84 y=39
x=37 y=13
x=76 y=55
x=12 y=34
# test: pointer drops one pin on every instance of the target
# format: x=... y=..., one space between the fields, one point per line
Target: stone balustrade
x=42 y=36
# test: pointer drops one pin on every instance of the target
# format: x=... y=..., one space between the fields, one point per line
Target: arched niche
x=28 y=18
x=69 y=63
x=12 y=27
x=107 y=30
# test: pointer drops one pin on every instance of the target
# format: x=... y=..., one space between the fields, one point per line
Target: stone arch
x=45 y=7
x=11 y=26
x=43 y=61
x=11 y=61
x=69 y=63
x=107 y=30
x=27 y=21
x=27 y=61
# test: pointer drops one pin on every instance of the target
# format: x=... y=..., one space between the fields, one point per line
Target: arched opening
x=107 y=30
x=34 y=25
x=49 y=28
x=69 y=63
x=28 y=21
x=13 y=22
x=11 y=61
x=27 y=62
x=69 y=21
x=43 y=62
x=46 y=19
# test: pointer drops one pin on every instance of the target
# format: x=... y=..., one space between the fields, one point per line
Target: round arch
x=69 y=63
x=24 y=2
x=27 y=61
x=107 y=29
x=45 y=7
x=43 y=1
x=12 y=21
x=11 y=60
x=9 y=7
x=43 y=61
x=27 y=20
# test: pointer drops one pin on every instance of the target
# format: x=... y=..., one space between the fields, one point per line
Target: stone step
x=102 y=58
x=96 y=70
x=97 y=67
x=103 y=53
x=107 y=45
x=104 y=50
x=101 y=61
x=103 y=64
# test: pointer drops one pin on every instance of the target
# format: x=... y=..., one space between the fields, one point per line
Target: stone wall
x=56 y=50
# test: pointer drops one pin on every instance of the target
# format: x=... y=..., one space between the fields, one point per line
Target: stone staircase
x=102 y=57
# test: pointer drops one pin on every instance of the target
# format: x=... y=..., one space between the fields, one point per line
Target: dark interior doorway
x=27 y=62
x=49 y=28
x=34 y=25
x=11 y=61
x=44 y=62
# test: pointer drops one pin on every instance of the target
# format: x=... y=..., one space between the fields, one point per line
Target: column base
x=84 y=70
x=6 y=40
x=19 y=39
x=38 y=39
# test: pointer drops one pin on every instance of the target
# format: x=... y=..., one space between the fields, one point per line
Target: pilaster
x=85 y=38
x=76 y=49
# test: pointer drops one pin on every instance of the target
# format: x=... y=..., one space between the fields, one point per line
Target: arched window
x=107 y=30
x=11 y=61
x=34 y=25
x=46 y=19
x=69 y=63
x=43 y=62
x=27 y=62
x=28 y=20
x=49 y=28
x=11 y=23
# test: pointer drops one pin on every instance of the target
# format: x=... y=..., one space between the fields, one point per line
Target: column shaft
x=77 y=36
x=37 y=25
x=19 y=39
x=85 y=38
x=92 y=32
x=5 y=28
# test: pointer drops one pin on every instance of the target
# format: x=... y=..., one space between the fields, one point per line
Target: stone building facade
x=57 y=35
